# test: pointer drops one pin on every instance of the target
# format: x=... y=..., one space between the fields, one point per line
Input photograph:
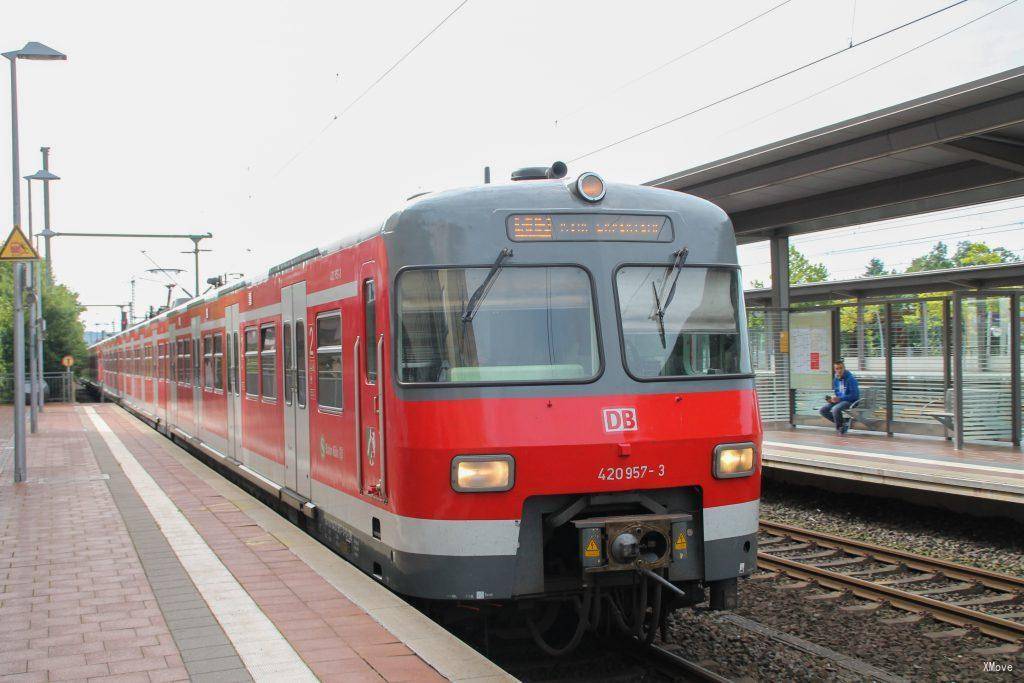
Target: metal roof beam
x=915 y=207
x=787 y=216
x=969 y=278
x=970 y=121
x=995 y=150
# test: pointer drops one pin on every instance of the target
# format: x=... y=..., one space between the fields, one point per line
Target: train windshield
x=679 y=322
x=532 y=324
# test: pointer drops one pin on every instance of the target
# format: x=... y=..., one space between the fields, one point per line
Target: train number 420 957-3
x=634 y=472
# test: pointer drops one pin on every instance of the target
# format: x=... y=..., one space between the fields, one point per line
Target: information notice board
x=810 y=350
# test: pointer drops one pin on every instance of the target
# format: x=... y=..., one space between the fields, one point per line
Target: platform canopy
x=950 y=149
x=968 y=278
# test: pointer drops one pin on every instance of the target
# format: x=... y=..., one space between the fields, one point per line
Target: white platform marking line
x=265 y=652
x=889 y=456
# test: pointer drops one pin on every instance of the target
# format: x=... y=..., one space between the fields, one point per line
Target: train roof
x=543 y=195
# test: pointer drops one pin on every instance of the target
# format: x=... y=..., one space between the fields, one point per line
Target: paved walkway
x=125 y=559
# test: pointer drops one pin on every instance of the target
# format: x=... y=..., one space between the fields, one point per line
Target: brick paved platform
x=123 y=558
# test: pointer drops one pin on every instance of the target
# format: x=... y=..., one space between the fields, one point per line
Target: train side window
x=252 y=362
x=300 y=363
x=230 y=362
x=370 y=315
x=234 y=357
x=172 y=347
x=196 y=363
x=218 y=361
x=182 y=363
x=329 y=392
x=268 y=361
x=186 y=362
x=208 y=362
x=289 y=366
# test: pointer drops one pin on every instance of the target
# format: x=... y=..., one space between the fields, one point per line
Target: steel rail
x=692 y=668
x=995 y=626
x=951 y=570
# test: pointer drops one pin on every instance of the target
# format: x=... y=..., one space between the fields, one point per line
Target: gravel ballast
x=989 y=543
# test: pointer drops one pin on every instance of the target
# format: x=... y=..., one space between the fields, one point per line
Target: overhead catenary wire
x=768 y=81
x=869 y=69
x=860 y=230
x=335 y=117
x=679 y=57
x=166 y=274
x=983 y=231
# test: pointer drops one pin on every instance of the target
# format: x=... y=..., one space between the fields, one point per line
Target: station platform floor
x=123 y=558
x=990 y=473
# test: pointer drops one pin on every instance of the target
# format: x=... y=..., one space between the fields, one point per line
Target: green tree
x=980 y=254
x=802 y=270
x=967 y=254
x=65 y=333
x=876 y=267
x=935 y=259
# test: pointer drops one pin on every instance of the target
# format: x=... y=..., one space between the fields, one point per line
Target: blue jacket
x=846 y=388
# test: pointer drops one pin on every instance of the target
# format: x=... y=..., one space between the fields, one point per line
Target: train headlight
x=479 y=473
x=590 y=186
x=734 y=460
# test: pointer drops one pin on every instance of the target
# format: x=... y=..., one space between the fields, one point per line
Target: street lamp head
x=42 y=175
x=34 y=50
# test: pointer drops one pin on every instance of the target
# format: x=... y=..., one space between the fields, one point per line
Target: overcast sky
x=196 y=116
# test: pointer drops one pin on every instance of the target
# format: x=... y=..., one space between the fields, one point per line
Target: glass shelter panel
x=985 y=354
x=918 y=376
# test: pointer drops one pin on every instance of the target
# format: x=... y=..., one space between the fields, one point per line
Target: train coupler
x=633 y=542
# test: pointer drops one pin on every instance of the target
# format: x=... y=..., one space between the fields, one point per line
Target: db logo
x=620 y=420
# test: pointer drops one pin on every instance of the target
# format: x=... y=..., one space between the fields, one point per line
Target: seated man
x=846 y=393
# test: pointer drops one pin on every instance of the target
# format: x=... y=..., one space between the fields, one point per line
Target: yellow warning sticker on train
x=17 y=247
x=592 y=550
x=680 y=541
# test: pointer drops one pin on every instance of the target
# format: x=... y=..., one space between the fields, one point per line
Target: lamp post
x=38 y=323
x=36 y=51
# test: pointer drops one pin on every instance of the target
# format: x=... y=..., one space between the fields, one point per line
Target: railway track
x=963 y=596
x=692 y=671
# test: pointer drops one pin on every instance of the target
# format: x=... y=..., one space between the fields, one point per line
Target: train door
x=172 y=376
x=367 y=376
x=197 y=379
x=151 y=375
x=234 y=395
x=296 y=416
x=161 y=381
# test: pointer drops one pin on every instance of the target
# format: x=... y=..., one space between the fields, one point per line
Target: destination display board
x=584 y=227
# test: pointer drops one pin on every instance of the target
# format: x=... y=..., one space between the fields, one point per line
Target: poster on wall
x=810 y=350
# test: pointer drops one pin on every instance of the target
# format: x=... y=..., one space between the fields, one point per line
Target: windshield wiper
x=677 y=263
x=660 y=308
x=473 y=305
x=659 y=314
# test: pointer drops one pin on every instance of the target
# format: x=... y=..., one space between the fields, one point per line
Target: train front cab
x=570 y=412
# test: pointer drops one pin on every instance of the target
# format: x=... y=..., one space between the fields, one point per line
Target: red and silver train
x=507 y=393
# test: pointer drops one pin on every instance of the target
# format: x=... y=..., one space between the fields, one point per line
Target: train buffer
x=124 y=555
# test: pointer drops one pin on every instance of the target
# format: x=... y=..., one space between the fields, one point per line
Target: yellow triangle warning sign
x=592 y=550
x=17 y=247
x=680 y=541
